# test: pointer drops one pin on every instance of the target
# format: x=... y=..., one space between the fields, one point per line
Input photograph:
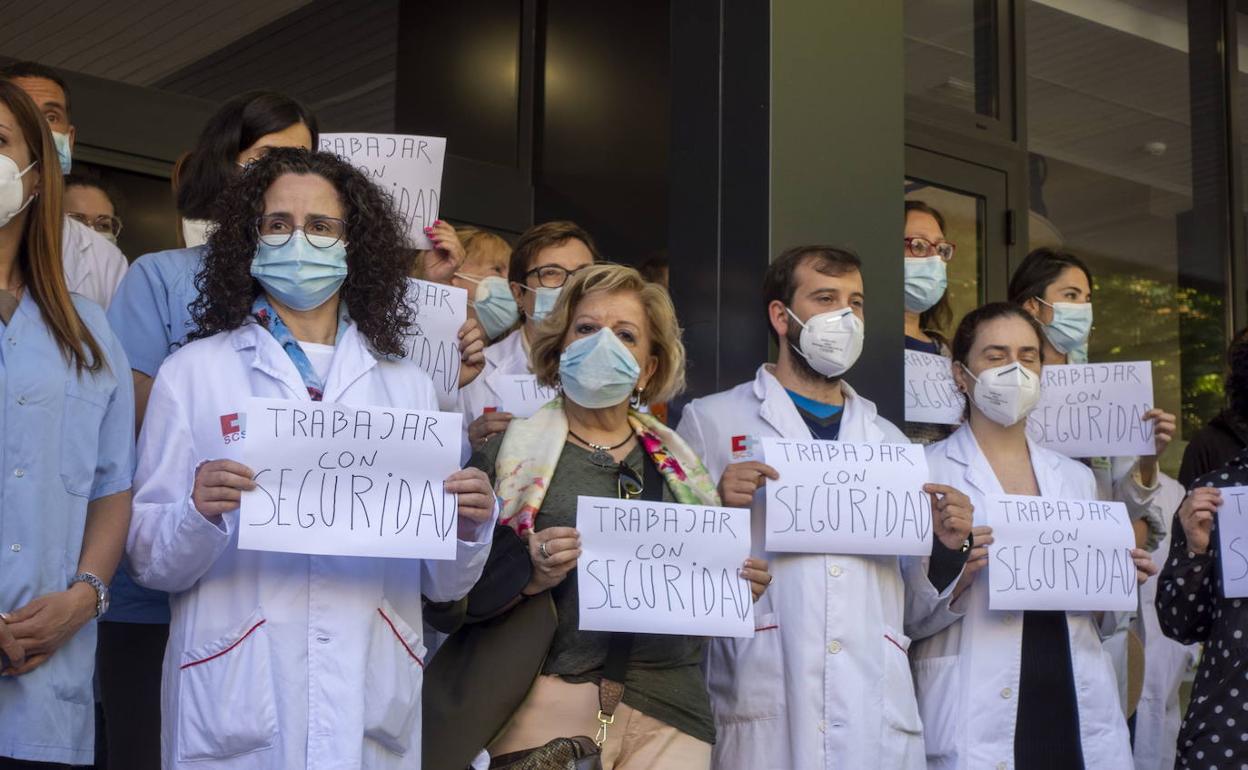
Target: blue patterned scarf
x=268 y=318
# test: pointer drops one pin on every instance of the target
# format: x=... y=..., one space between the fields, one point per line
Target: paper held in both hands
x=663 y=568
x=337 y=480
x=1051 y=554
x=838 y=497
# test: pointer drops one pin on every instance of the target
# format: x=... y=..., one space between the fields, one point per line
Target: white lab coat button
x=19 y=472
x=1002 y=766
x=834 y=647
x=16 y=548
x=21 y=401
x=835 y=570
x=1006 y=693
x=823 y=726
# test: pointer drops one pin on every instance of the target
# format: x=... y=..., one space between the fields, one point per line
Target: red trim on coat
x=399 y=636
x=185 y=666
x=895 y=644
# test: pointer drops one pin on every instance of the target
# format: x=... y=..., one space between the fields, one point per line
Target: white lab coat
x=506 y=357
x=93 y=266
x=825 y=682
x=1166 y=662
x=967 y=675
x=278 y=660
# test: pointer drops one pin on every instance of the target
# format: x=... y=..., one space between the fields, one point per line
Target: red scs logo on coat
x=234 y=427
x=744 y=447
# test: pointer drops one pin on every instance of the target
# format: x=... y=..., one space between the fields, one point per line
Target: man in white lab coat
x=825 y=682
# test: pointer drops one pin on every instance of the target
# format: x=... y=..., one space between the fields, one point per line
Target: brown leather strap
x=614 y=671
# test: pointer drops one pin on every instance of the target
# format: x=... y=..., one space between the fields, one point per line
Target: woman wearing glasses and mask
x=544 y=258
x=278 y=659
x=611 y=343
x=927 y=255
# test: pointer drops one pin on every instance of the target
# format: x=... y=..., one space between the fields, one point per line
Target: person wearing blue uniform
x=66 y=461
x=151 y=315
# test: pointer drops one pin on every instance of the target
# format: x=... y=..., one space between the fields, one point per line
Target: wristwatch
x=101 y=590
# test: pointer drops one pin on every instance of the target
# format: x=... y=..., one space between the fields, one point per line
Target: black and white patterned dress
x=1191 y=608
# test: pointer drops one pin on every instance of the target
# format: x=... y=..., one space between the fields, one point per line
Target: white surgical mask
x=831 y=342
x=598 y=371
x=1005 y=394
x=495 y=306
x=12 y=194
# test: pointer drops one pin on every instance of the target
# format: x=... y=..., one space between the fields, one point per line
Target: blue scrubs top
x=65 y=439
x=150 y=313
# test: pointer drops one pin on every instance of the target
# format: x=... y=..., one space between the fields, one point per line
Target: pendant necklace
x=601 y=456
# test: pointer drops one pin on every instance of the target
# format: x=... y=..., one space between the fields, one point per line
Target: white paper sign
x=1095 y=410
x=432 y=340
x=520 y=393
x=1232 y=523
x=931 y=394
x=837 y=497
x=337 y=480
x=408 y=167
x=663 y=568
x=1060 y=554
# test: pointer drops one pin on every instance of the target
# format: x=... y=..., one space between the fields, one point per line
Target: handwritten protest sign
x=520 y=394
x=344 y=481
x=663 y=568
x=432 y=340
x=1095 y=410
x=931 y=394
x=1232 y=522
x=407 y=167
x=1059 y=554
x=836 y=497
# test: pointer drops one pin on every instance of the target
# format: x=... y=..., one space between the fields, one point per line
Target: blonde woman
x=612 y=344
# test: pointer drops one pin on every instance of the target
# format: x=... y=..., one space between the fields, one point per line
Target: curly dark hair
x=377 y=260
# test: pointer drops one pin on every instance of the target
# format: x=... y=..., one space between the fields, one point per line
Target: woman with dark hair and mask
x=1004 y=688
x=302 y=297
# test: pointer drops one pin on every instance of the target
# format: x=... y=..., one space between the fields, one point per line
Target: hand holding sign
x=554 y=552
x=219 y=486
x=1196 y=517
x=440 y=263
x=480 y=429
x=952 y=513
x=741 y=480
x=471 y=351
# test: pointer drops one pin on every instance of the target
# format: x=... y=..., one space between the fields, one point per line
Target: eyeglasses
x=103 y=224
x=629 y=485
x=553 y=276
x=321 y=232
x=923 y=248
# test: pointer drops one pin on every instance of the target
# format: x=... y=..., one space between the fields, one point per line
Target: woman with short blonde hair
x=610 y=344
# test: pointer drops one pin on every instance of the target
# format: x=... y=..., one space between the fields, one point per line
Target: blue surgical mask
x=544 y=301
x=300 y=275
x=598 y=371
x=926 y=281
x=495 y=306
x=1071 y=324
x=63 y=151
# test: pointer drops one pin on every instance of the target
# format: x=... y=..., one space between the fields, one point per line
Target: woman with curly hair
x=302 y=298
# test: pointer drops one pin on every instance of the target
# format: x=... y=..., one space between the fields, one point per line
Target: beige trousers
x=557 y=709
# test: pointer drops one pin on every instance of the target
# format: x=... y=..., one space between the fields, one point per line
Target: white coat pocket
x=226 y=695
x=83 y=412
x=939 y=697
x=901 y=710
x=393 y=681
x=746 y=676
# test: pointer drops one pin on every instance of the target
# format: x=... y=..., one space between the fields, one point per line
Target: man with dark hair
x=93 y=266
x=543 y=260
x=825 y=682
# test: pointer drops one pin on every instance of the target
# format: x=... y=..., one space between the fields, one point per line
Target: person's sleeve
x=139 y=315
x=1185 y=595
x=1142 y=505
x=171 y=544
x=928 y=609
x=114 y=470
x=451 y=579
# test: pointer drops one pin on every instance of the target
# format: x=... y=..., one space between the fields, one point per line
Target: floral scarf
x=531 y=450
x=268 y=318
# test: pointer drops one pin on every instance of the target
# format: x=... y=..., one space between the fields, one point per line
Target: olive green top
x=665 y=679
